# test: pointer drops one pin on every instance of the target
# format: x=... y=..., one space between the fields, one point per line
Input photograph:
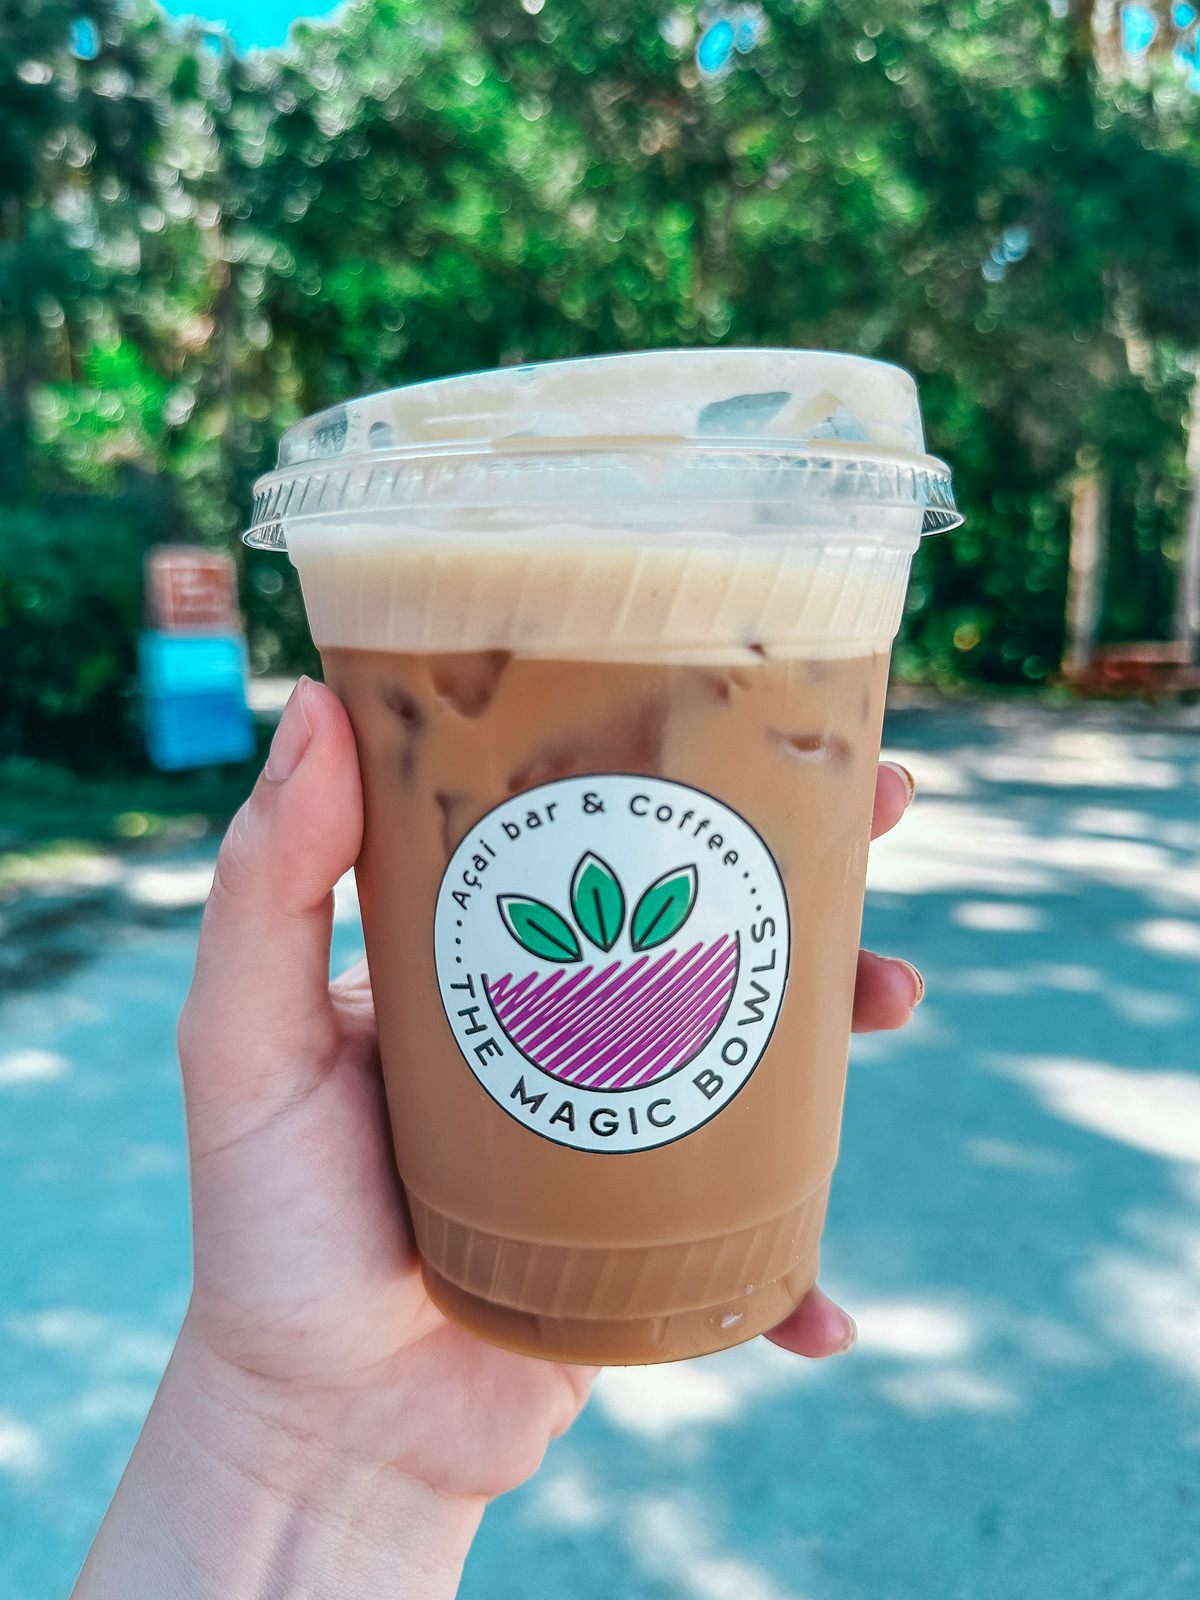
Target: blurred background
x=212 y=225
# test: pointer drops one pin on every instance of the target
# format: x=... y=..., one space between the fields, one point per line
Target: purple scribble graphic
x=624 y=1026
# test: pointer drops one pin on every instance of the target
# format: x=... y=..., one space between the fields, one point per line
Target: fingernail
x=851 y=1337
x=918 y=981
x=906 y=777
x=291 y=738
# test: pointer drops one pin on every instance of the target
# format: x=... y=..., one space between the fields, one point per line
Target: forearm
x=224 y=1497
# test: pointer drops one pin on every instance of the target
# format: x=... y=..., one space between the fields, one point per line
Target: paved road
x=1016 y=1222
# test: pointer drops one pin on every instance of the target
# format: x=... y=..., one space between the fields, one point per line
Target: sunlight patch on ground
x=122 y=1349
x=1179 y=888
x=63 y=1328
x=1124 y=862
x=1080 y=758
x=672 y=1543
x=925 y=1029
x=1168 y=936
x=967 y=848
x=935 y=774
x=117 y=1402
x=567 y=1499
x=984 y=980
x=267 y=695
x=1158 y=1112
x=170 y=888
x=1073 y=978
x=58 y=869
x=345 y=899
x=674 y=1397
x=1178 y=834
x=151 y=1160
x=917 y=1330
x=1153 y=1306
x=655 y=1400
x=935 y=1338
x=32 y=1066
x=1149 y=1008
x=958 y=848
x=1122 y=824
x=942 y=1389
x=76 y=1009
x=21 y=1453
x=1017 y=1157
x=997 y=916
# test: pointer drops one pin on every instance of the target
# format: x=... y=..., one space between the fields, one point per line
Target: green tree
x=197 y=248
x=77 y=143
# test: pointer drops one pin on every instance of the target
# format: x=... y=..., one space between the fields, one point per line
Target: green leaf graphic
x=664 y=908
x=538 y=928
x=597 y=900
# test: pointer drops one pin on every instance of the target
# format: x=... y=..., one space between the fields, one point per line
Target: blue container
x=194 y=699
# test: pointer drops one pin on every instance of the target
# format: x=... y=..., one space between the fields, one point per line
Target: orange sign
x=189 y=588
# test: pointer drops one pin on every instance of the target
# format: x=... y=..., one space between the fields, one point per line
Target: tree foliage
x=197 y=247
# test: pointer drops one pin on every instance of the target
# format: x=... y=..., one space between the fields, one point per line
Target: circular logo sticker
x=611 y=954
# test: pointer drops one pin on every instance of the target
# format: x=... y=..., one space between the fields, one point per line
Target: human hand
x=307 y=1282
x=309 y=1320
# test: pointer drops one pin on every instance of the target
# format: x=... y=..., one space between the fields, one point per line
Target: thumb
x=258 y=1030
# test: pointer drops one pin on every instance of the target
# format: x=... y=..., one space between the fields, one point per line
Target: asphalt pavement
x=1015 y=1224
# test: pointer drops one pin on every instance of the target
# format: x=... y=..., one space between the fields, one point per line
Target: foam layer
x=562 y=598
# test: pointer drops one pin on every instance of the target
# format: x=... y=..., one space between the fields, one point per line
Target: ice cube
x=468 y=681
x=630 y=743
x=814 y=749
x=455 y=808
x=840 y=424
x=410 y=713
x=741 y=413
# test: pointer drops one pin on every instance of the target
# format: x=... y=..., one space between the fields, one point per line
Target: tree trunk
x=1085 y=583
x=16 y=370
x=1187 y=602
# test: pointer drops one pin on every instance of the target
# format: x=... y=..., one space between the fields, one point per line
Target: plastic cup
x=613 y=636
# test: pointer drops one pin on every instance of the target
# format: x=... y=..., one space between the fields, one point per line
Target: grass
x=51 y=815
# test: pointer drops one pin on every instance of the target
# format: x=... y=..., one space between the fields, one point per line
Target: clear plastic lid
x=790 y=425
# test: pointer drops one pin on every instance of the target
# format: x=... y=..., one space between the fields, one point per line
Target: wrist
x=235 y=1488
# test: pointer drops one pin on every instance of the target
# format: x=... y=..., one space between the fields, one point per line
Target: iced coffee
x=618 y=759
